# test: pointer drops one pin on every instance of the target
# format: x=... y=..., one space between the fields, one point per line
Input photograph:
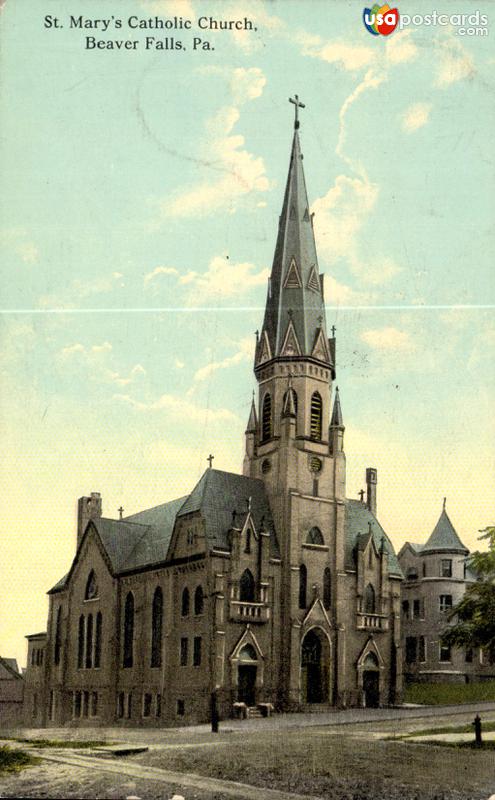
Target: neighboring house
x=34 y=677
x=437 y=574
x=267 y=588
x=11 y=692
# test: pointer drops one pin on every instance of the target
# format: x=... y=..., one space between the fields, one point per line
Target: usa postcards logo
x=380 y=19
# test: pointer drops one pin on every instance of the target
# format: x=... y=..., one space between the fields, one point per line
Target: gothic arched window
x=266 y=419
x=316 y=416
x=157 y=628
x=198 y=600
x=80 y=642
x=89 y=642
x=303 y=586
x=246 y=587
x=315 y=536
x=91 y=586
x=58 y=637
x=98 y=635
x=185 y=603
x=369 y=599
x=327 y=588
x=128 y=631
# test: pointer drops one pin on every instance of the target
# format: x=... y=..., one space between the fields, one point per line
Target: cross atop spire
x=297 y=105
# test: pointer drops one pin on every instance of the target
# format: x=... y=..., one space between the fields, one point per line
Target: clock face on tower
x=315 y=464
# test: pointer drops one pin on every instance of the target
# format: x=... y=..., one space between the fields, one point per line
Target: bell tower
x=294 y=439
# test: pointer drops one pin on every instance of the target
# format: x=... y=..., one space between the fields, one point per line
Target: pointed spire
x=290 y=407
x=252 y=425
x=444 y=536
x=337 y=420
x=295 y=282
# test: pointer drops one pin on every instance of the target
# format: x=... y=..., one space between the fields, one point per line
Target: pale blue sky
x=137 y=236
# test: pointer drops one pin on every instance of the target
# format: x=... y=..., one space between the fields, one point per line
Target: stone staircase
x=254 y=713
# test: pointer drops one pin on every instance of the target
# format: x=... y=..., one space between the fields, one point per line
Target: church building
x=268 y=590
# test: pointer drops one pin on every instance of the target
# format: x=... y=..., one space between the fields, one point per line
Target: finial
x=297 y=103
x=320 y=319
x=333 y=329
x=257 y=334
x=361 y=495
x=121 y=512
x=290 y=313
x=444 y=503
x=210 y=460
x=249 y=503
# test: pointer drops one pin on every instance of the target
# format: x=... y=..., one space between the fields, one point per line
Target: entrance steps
x=254 y=712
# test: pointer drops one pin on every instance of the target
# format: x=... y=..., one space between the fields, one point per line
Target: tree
x=475 y=613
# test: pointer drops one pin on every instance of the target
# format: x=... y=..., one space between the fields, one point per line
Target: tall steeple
x=294 y=324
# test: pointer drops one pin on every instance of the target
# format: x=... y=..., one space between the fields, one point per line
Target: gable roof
x=444 y=537
x=359 y=522
x=10 y=666
x=143 y=539
x=220 y=493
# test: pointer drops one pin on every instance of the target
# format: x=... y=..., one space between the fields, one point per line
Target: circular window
x=315 y=464
x=266 y=466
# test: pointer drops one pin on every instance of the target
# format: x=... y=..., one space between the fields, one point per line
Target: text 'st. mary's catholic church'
x=267 y=588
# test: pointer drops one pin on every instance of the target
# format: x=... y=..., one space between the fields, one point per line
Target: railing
x=372 y=622
x=248 y=612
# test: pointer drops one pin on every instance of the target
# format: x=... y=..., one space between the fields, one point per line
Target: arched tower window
x=327 y=588
x=246 y=587
x=198 y=600
x=315 y=536
x=128 y=631
x=266 y=418
x=316 y=416
x=185 y=603
x=98 y=634
x=91 y=587
x=80 y=642
x=369 y=599
x=157 y=628
x=303 y=586
x=89 y=642
x=58 y=637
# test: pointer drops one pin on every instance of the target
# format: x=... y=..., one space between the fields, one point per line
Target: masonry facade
x=264 y=590
x=437 y=574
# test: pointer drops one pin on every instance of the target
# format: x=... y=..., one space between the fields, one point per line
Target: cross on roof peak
x=210 y=459
x=297 y=105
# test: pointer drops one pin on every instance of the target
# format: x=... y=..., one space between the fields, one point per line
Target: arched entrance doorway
x=371 y=681
x=247 y=672
x=315 y=666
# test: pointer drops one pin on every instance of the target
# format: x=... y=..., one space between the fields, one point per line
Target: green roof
x=359 y=523
x=444 y=536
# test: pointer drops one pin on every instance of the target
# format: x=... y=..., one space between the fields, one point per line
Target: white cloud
x=223 y=278
x=150 y=276
x=241 y=172
x=455 y=63
x=18 y=240
x=416 y=116
x=340 y=214
x=387 y=339
x=347 y=55
x=180 y=408
x=178 y=364
x=79 y=289
x=401 y=49
x=244 y=353
x=94 y=360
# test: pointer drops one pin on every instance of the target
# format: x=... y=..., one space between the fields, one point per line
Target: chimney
x=371 y=489
x=87 y=508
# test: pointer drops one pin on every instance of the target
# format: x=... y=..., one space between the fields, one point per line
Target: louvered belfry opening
x=266 y=421
x=316 y=415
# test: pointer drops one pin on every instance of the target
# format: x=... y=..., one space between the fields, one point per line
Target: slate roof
x=11 y=667
x=143 y=539
x=300 y=303
x=444 y=536
x=220 y=493
x=358 y=518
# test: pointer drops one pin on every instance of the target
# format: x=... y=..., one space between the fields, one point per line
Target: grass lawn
x=338 y=767
x=15 y=760
x=62 y=743
x=433 y=694
x=467 y=728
